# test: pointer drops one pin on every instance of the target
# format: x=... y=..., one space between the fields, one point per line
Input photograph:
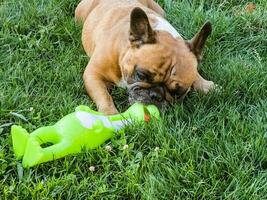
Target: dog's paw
x=108 y=111
x=208 y=86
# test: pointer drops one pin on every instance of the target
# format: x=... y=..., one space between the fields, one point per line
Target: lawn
x=209 y=147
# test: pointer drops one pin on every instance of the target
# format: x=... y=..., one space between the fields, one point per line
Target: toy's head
x=141 y=112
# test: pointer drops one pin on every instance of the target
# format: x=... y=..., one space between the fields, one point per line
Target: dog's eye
x=141 y=76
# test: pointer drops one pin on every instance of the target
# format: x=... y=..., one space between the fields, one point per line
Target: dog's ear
x=140 y=29
x=197 y=43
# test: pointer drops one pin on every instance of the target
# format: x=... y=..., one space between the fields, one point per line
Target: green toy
x=83 y=128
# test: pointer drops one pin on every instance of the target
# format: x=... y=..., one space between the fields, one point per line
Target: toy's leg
x=19 y=139
x=46 y=134
x=59 y=150
x=34 y=154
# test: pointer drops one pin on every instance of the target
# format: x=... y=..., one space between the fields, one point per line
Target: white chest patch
x=164 y=25
x=87 y=120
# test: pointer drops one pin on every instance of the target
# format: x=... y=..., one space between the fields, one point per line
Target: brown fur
x=118 y=37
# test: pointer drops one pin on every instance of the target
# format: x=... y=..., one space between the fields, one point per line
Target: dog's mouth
x=157 y=95
x=153 y=95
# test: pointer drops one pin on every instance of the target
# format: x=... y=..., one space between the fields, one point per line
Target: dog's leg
x=97 y=89
x=203 y=85
x=84 y=8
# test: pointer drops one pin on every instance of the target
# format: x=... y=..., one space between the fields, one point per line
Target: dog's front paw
x=211 y=86
x=207 y=86
x=204 y=86
x=108 y=110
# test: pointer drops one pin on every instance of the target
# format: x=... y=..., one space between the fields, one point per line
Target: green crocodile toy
x=85 y=128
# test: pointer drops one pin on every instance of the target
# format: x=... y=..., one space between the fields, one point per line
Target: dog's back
x=86 y=6
x=105 y=21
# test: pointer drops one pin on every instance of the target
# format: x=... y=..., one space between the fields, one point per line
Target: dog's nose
x=155 y=96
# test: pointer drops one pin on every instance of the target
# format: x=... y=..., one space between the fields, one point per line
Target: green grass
x=210 y=147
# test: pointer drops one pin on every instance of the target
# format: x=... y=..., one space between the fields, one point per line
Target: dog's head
x=157 y=66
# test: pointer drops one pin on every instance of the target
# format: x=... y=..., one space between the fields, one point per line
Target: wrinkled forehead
x=154 y=52
x=161 y=59
x=165 y=48
x=155 y=58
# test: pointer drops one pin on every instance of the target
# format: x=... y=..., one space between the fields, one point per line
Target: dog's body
x=133 y=46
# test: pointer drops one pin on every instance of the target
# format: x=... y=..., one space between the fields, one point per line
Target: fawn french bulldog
x=131 y=45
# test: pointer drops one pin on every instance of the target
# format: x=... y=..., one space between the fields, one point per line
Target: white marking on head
x=163 y=25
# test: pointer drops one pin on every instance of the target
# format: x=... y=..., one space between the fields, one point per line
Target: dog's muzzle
x=151 y=95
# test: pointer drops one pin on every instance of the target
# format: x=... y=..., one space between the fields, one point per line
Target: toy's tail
x=19 y=139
